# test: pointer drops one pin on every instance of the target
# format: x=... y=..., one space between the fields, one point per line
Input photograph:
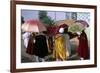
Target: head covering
x=61 y=28
x=64 y=26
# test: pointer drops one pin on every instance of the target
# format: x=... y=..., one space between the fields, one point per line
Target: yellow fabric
x=59 y=51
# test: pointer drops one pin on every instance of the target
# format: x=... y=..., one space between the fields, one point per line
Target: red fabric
x=52 y=30
x=83 y=49
x=63 y=26
x=31 y=48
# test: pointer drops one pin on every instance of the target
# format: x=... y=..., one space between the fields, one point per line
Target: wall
x=5 y=36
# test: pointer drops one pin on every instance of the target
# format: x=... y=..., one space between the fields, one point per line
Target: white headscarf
x=61 y=30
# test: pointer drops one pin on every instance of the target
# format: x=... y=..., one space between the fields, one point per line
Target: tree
x=48 y=21
x=45 y=19
x=42 y=14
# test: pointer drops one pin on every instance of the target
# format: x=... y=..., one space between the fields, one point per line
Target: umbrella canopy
x=68 y=22
x=33 y=26
x=84 y=23
x=76 y=27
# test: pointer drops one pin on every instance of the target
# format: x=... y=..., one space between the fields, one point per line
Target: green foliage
x=48 y=21
x=42 y=14
x=45 y=19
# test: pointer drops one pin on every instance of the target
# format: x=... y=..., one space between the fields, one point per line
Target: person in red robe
x=83 y=48
x=31 y=48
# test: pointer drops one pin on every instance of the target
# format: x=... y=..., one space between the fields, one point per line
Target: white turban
x=61 y=30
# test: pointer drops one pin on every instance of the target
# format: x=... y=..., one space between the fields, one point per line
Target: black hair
x=66 y=30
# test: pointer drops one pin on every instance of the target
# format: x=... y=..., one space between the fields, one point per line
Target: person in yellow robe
x=60 y=52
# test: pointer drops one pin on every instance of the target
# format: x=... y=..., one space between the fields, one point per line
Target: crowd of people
x=57 y=47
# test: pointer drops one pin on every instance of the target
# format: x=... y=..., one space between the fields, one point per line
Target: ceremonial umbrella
x=84 y=23
x=33 y=26
x=78 y=26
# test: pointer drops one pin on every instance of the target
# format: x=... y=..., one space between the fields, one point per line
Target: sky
x=33 y=14
x=29 y=14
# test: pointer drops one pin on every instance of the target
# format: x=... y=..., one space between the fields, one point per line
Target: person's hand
x=78 y=33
